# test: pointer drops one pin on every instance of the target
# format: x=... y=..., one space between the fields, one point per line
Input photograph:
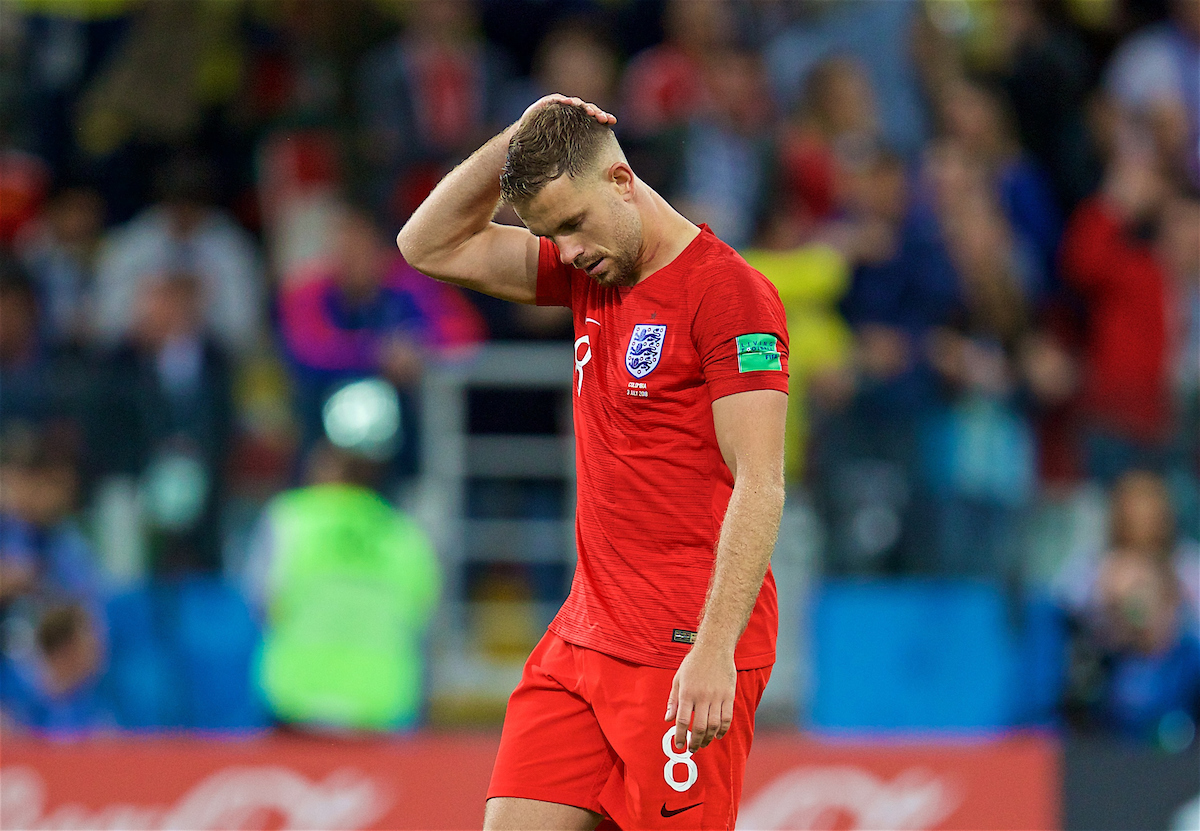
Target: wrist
x=711 y=643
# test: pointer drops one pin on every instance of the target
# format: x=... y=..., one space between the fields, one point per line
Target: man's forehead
x=559 y=201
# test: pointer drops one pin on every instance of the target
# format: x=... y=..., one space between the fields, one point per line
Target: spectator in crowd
x=347 y=586
x=426 y=99
x=361 y=311
x=22 y=364
x=810 y=260
x=1110 y=259
x=834 y=128
x=1154 y=79
x=167 y=82
x=24 y=182
x=880 y=37
x=38 y=382
x=162 y=413
x=865 y=461
x=976 y=118
x=1046 y=71
x=184 y=233
x=60 y=252
x=1043 y=71
x=52 y=53
x=977 y=443
x=665 y=87
x=727 y=157
x=1179 y=248
x=51 y=621
x=1136 y=640
x=302 y=57
x=575 y=54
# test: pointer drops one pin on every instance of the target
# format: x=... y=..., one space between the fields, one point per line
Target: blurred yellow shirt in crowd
x=811 y=280
x=79 y=9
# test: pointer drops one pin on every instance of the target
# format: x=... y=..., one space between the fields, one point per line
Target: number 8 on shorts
x=673 y=759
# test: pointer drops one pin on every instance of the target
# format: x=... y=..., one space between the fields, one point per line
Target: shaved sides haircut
x=558 y=139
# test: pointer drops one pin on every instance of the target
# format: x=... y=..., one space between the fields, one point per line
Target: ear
x=621 y=175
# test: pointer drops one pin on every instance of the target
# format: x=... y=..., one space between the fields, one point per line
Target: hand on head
x=558 y=98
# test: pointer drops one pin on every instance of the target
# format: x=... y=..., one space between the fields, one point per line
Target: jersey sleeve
x=740 y=333
x=553 y=276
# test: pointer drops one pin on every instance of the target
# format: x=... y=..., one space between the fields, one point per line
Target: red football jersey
x=652 y=485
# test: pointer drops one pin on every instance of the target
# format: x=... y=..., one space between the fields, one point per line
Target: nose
x=568 y=251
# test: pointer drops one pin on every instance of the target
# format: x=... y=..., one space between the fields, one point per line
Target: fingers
x=726 y=719
x=588 y=107
x=599 y=114
x=703 y=709
x=715 y=726
x=673 y=700
x=700 y=727
x=683 y=723
x=707 y=723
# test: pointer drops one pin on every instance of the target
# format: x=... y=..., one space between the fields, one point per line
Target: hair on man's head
x=556 y=140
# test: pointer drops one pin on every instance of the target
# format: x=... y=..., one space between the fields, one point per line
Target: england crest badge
x=645 y=349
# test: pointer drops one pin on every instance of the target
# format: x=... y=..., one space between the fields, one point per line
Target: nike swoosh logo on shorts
x=667 y=813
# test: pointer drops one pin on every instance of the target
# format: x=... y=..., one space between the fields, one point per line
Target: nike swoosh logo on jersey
x=667 y=813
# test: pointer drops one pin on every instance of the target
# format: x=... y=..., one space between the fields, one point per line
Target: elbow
x=418 y=254
x=410 y=250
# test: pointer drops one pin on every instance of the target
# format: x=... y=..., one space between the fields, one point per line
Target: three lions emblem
x=645 y=349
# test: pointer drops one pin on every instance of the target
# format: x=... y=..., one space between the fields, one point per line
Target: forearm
x=743 y=553
x=461 y=206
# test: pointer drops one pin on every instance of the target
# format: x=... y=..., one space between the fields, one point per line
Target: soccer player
x=679 y=391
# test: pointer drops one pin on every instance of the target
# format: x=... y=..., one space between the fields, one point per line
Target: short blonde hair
x=556 y=140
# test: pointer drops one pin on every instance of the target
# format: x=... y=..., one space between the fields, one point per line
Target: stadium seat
x=1043 y=661
x=216 y=637
x=143 y=687
x=133 y=617
x=912 y=655
x=142 y=683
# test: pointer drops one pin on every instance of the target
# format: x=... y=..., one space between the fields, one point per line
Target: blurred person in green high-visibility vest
x=347 y=585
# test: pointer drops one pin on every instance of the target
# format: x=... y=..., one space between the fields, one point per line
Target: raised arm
x=750 y=428
x=452 y=237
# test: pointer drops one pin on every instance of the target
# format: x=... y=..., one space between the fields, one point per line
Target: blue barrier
x=181 y=656
x=912 y=655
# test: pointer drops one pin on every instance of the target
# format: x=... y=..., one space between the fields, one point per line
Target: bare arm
x=750 y=428
x=451 y=236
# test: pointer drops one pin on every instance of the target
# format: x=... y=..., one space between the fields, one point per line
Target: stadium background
x=981 y=217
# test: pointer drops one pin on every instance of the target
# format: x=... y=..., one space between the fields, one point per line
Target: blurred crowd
x=983 y=217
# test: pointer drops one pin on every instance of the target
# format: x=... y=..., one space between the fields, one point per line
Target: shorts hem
x=543 y=795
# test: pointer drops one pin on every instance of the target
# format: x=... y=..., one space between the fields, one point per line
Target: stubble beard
x=622 y=272
x=622 y=268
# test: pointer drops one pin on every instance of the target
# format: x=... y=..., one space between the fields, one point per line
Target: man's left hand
x=702 y=697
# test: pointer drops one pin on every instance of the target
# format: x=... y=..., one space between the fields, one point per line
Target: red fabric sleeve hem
x=547 y=293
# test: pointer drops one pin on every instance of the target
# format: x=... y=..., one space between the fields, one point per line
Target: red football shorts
x=586 y=729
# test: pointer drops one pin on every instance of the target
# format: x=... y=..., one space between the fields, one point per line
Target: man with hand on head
x=680 y=380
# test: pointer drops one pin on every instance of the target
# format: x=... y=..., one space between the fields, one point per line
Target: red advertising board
x=438 y=781
x=798 y=783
